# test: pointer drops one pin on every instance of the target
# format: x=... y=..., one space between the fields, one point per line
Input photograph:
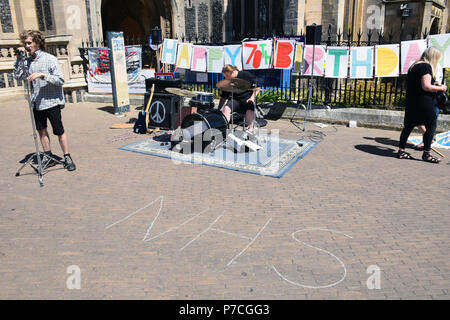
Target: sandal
x=404 y=155
x=429 y=158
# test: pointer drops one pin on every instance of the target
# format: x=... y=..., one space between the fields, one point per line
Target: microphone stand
x=308 y=105
x=309 y=102
x=40 y=168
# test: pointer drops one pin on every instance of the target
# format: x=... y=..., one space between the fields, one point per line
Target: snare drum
x=204 y=97
x=203 y=101
x=201 y=106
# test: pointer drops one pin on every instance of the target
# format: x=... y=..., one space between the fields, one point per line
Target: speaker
x=156 y=36
x=163 y=110
x=161 y=84
x=313 y=34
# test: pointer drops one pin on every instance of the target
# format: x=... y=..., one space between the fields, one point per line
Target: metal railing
x=287 y=86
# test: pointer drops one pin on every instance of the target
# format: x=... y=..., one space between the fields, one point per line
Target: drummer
x=242 y=101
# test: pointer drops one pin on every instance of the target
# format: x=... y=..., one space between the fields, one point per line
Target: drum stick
x=437 y=152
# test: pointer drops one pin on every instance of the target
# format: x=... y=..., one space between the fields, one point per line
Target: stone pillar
x=426 y=22
x=70 y=19
x=314 y=12
x=301 y=25
x=340 y=16
x=228 y=19
x=26 y=13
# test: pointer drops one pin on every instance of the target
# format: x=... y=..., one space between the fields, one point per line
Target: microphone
x=20 y=53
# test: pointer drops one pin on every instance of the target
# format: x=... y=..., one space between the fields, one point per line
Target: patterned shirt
x=46 y=92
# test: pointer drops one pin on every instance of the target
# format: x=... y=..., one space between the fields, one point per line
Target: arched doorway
x=137 y=18
x=435 y=26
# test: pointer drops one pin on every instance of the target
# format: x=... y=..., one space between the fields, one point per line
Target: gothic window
x=249 y=20
x=236 y=24
x=278 y=13
x=268 y=20
x=263 y=17
x=5 y=17
x=45 y=15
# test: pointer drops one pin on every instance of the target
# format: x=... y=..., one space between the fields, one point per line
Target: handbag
x=442 y=101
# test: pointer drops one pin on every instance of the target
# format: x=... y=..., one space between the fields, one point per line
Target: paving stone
x=347 y=205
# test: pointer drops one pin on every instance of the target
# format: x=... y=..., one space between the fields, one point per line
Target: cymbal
x=233 y=85
x=181 y=92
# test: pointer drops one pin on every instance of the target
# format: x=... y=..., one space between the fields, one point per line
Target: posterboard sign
x=202 y=77
x=184 y=55
x=257 y=54
x=298 y=58
x=169 y=51
x=99 y=65
x=318 y=54
x=99 y=74
x=133 y=87
x=442 y=42
x=284 y=54
x=214 y=57
x=233 y=55
x=119 y=79
x=411 y=51
x=442 y=140
x=336 y=63
x=387 y=58
x=361 y=62
x=199 y=59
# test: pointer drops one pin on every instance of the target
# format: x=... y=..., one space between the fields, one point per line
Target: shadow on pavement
x=389 y=142
x=109 y=109
x=33 y=154
x=376 y=150
x=380 y=151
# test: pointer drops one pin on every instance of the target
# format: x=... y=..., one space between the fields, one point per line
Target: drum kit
x=207 y=128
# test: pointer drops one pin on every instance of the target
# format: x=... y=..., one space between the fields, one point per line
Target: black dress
x=419 y=109
x=419 y=103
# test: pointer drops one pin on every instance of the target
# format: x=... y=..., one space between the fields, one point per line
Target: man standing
x=44 y=75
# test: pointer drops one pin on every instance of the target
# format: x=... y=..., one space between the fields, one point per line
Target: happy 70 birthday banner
x=388 y=60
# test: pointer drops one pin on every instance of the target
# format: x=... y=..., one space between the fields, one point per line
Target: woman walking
x=420 y=101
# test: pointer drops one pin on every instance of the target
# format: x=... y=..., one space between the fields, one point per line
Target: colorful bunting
x=387 y=60
x=284 y=54
x=215 y=59
x=331 y=62
x=169 y=52
x=442 y=42
x=318 y=52
x=361 y=62
x=257 y=54
x=199 y=59
x=411 y=51
x=184 y=55
x=336 y=63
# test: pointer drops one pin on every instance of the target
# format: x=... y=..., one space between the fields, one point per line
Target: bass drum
x=204 y=131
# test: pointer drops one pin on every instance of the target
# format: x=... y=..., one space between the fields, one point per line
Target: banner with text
x=364 y=62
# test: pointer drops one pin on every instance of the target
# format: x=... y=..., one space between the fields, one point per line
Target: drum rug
x=276 y=156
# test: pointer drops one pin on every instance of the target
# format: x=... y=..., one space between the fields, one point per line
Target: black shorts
x=54 y=115
x=240 y=106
